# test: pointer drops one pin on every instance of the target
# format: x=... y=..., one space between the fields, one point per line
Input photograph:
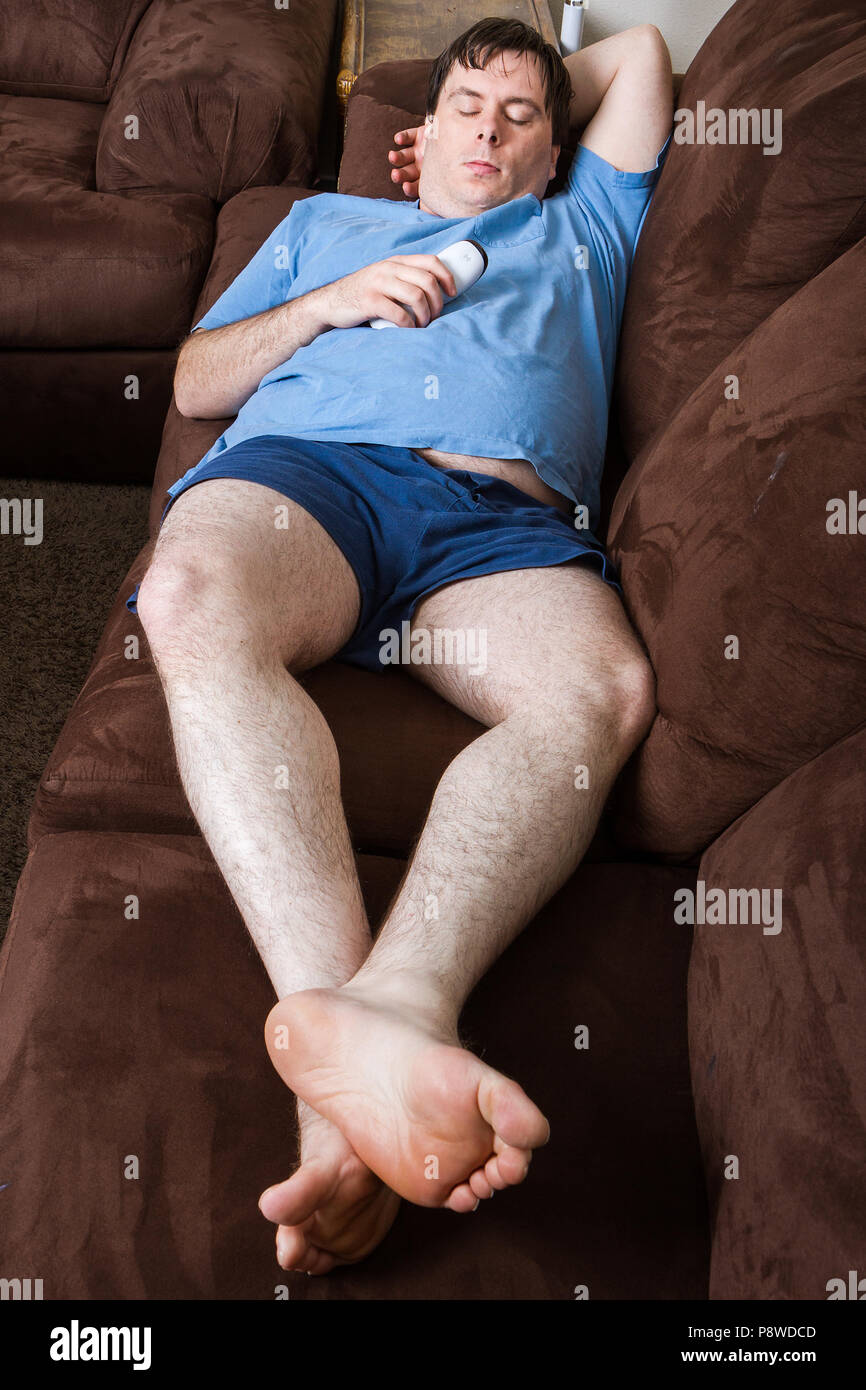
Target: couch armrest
x=777 y=998
x=222 y=101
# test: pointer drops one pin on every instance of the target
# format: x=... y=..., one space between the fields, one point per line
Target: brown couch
x=124 y=128
x=710 y=1142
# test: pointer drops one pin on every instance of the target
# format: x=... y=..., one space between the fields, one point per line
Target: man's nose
x=487 y=128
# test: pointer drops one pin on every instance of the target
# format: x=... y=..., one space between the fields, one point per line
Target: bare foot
x=332 y=1210
x=435 y=1123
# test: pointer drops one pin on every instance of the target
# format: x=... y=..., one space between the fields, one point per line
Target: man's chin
x=471 y=199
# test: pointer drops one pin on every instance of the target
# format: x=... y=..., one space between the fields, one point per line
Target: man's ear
x=554 y=158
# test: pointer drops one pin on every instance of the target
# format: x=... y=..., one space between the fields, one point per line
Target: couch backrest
x=71 y=49
x=733 y=231
x=740 y=527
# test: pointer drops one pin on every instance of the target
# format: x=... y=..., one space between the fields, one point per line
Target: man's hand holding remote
x=381 y=290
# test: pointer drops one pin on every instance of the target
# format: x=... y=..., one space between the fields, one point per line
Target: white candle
x=571 y=33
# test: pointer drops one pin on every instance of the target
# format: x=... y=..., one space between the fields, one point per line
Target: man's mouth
x=481 y=166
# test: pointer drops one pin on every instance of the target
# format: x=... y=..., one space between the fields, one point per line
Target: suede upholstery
x=123 y=130
x=135 y=1057
x=776 y=1037
x=223 y=104
x=737 y=416
x=720 y=529
x=743 y=231
x=66 y=52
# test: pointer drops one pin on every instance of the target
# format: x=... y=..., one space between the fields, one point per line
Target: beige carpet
x=56 y=597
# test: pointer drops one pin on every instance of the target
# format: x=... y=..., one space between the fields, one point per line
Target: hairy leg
x=566 y=686
x=228 y=603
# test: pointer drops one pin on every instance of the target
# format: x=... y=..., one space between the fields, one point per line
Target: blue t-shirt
x=519 y=366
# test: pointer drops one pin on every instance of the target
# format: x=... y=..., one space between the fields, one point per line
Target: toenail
x=477 y=1204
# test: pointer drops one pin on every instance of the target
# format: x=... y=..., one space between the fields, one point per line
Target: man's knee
x=190 y=604
x=632 y=692
x=176 y=593
x=617 y=695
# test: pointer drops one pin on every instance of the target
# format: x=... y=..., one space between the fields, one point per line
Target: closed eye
x=509 y=118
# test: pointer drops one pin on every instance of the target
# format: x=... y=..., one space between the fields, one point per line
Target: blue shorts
x=405 y=526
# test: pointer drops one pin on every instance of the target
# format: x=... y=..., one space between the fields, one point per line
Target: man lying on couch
x=448 y=474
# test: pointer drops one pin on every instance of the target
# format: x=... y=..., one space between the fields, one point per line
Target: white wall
x=684 y=23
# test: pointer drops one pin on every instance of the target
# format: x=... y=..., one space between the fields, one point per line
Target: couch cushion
x=81 y=269
x=143 y=1036
x=386 y=98
x=735 y=232
x=47 y=147
x=74 y=51
x=776 y=1038
x=721 y=534
x=225 y=97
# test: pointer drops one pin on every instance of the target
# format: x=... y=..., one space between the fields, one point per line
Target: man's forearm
x=593 y=69
x=219 y=368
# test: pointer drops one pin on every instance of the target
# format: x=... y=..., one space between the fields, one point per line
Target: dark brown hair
x=491 y=37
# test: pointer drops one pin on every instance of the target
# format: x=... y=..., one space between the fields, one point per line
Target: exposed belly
x=519 y=472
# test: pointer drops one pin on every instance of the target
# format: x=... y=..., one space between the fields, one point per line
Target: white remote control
x=467 y=261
